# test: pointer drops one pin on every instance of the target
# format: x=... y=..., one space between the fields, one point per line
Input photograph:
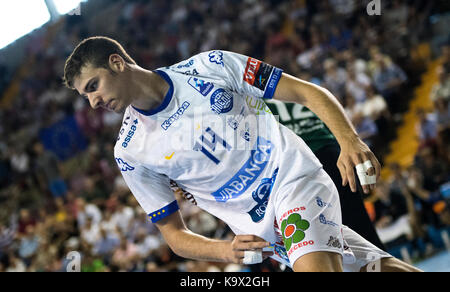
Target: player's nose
x=95 y=101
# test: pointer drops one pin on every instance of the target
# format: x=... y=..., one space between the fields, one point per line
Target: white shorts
x=308 y=219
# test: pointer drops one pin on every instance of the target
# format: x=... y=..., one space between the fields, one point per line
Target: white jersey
x=215 y=137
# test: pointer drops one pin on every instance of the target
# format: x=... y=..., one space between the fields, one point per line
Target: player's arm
x=323 y=103
x=187 y=244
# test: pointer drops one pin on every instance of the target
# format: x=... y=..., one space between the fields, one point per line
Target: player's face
x=103 y=88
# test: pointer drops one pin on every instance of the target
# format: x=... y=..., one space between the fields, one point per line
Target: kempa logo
x=374 y=7
x=166 y=125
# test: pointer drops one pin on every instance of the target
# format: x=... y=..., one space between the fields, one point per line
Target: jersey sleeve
x=242 y=74
x=151 y=190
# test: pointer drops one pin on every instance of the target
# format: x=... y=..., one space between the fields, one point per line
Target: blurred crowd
x=413 y=207
x=51 y=207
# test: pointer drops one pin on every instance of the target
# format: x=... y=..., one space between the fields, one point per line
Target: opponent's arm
x=187 y=244
x=323 y=103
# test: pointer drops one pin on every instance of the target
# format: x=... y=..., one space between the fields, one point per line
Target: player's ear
x=116 y=63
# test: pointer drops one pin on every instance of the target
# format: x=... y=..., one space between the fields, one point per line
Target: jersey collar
x=166 y=99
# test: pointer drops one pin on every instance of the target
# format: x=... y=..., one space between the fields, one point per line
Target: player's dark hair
x=94 y=51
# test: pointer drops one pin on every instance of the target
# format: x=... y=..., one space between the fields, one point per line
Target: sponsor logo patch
x=221 y=101
x=124 y=166
x=321 y=203
x=293 y=230
x=324 y=220
x=167 y=123
x=216 y=57
x=130 y=134
x=334 y=242
x=257 y=73
x=280 y=251
x=261 y=196
x=248 y=174
x=201 y=86
x=186 y=65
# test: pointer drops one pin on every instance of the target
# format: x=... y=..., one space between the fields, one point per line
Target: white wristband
x=252 y=257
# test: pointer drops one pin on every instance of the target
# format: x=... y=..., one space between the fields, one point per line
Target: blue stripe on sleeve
x=164 y=212
x=273 y=83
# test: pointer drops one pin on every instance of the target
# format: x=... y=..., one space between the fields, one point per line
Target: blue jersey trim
x=164 y=212
x=273 y=83
x=166 y=100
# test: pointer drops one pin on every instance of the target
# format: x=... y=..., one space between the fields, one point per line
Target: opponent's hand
x=242 y=243
x=353 y=153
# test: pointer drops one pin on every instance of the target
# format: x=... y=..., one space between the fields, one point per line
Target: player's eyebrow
x=86 y=87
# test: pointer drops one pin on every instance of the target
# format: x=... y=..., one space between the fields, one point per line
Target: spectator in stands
x=85 y=211
x=48 y=172
x=298 y=27
x=366 y=128
x=90 y=232
x=16 y=265
x=20 y=161
x=432 y=169
x=424 y=198
x=427 y=129
x=335 y=78
x=376 y=108
x=357 y=84
x=29 y=244
x=25 y=220
x=124 y=256
x=106 y=244
x=442 y=208
x=442 y=113
x=7 y=234
x=392 y=217
x=388 y=79
x=441 y=90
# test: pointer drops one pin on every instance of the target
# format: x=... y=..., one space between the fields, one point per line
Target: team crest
x=221 y=101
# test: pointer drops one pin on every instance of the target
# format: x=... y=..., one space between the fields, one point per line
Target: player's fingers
x=350 y=176
x=267 y=254
x=373 y=169
x=251 y=245
x=248 y=238
x=341 y=168
x=239 y=255
x=360 y=159
x=376 y=164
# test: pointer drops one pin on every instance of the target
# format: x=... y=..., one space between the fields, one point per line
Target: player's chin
x=119 y=108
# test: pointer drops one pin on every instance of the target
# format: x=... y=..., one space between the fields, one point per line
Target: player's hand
x=353 y=153
x=242 y=243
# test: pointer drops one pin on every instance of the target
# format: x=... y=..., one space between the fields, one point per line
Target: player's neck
x=149 y=89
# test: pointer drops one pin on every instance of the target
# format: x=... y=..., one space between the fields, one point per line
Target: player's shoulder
x=197 y=63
